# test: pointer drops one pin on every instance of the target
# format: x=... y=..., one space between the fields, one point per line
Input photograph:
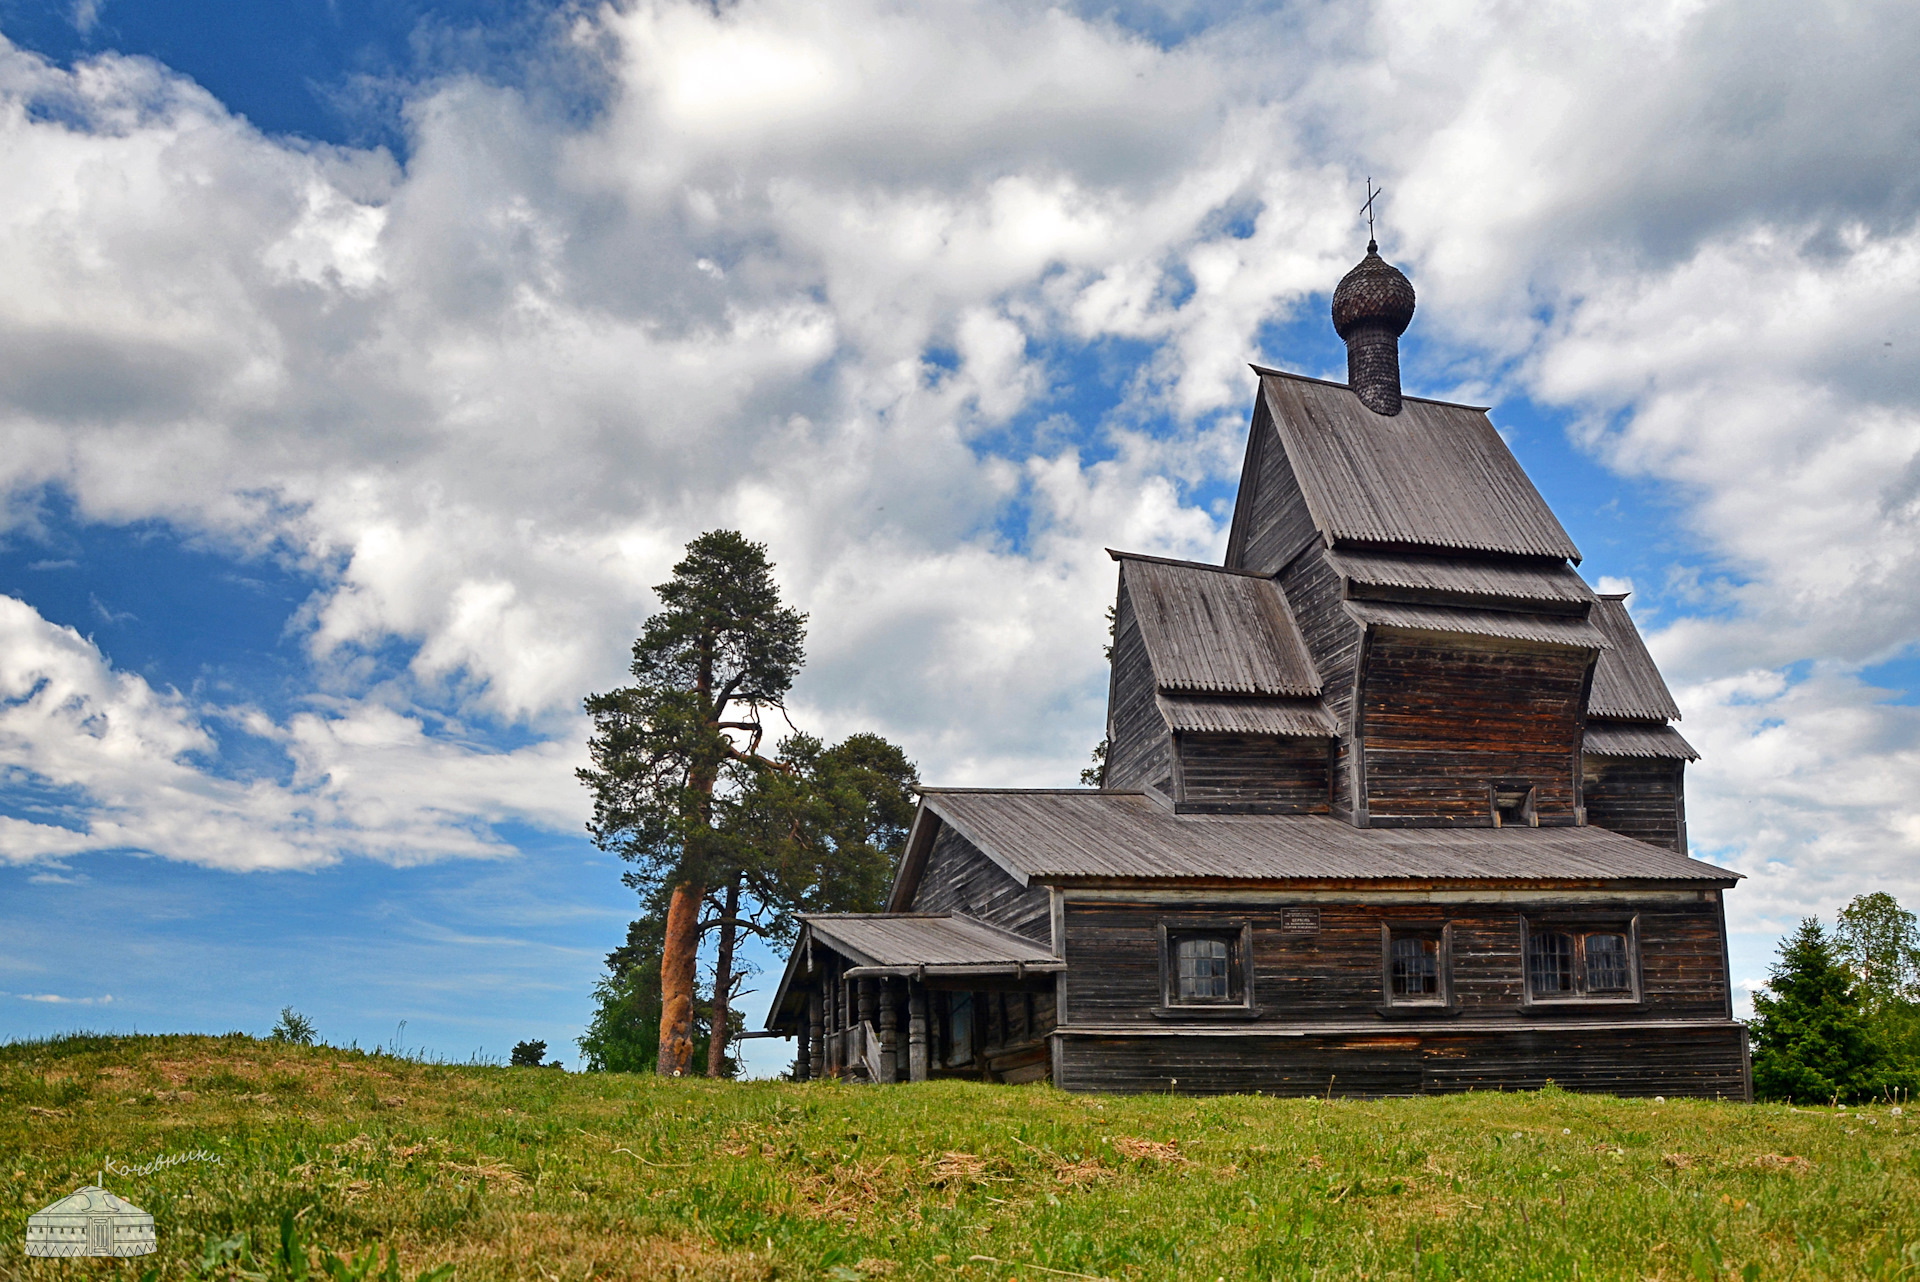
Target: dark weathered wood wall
x=1641 y=797
x=1271 y=521
x=1335 y=973
x=1250 y=774
x=1442 y=716
x=1139 y=747
x=958 y=878
x=1703 y=1062
x=1333 y=638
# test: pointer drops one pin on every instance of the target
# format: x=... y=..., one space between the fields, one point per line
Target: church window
x=1204 y=965
x=1569 y=963
x=1415 y=964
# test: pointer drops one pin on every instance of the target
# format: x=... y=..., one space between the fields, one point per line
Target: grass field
x=549 y=1177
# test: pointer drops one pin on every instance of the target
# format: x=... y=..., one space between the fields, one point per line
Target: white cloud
x=484 y=397
x=126 y=767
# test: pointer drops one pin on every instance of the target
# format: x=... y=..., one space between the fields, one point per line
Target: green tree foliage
x=674 y=749
x=293 y=1027
x=1880 y=943
x=527 y=1054
x=1813 y=1040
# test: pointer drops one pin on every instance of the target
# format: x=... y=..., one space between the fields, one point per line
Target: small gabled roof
x=1216 y=631
x=1434 y=475
x=1543 y=629
x=932 y=940
x=1066 y=835
x=1471 y=580
x=1627 y=684
x=1285 y=718
x=1636 y=739
x=953 y=944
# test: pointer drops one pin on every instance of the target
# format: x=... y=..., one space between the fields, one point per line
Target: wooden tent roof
x=1216 y=631
x=1435 y=475
x=1087 y=835
x=1626 y=683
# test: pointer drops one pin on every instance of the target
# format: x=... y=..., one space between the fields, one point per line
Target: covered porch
x=888 y=997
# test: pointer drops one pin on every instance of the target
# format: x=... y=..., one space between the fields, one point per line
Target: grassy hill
x=550 y=1177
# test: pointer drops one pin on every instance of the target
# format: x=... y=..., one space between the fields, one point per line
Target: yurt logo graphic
x=91 y=1221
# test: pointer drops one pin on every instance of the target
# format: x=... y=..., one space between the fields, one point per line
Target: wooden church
x=1392 y=804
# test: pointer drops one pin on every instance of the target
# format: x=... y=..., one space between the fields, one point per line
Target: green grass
x=550 y=1177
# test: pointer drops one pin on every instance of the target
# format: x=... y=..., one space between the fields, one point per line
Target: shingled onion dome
x=1371 y=309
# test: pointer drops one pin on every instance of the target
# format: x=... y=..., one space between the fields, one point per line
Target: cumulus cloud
x=811 y=272
x=110 y=763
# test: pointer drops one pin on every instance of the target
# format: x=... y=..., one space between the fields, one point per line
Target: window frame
x=1439 y=931
x=1579 y=929
x=1238 y=934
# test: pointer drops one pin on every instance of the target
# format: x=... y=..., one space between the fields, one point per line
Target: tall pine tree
x=670 y=749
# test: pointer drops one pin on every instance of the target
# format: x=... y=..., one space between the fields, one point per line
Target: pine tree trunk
x=723 y=984
x=677 y=960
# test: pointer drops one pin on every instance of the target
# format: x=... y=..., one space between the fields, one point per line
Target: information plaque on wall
x=1300 y=921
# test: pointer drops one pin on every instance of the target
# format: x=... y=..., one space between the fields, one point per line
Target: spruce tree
x=1812 y=1040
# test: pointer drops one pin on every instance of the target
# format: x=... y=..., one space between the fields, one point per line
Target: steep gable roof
x=1435 y=475
x=1626 y=683
x=1216 y=631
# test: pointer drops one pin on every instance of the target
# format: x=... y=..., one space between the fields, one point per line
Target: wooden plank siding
x=960 y=879
x=1139 y=746
x=1442 y=716
x=1271 y=522
x=1640 y=797
x=1335 y=973
x=1313 y=589
x=1706 y=1062
x=1250 y=774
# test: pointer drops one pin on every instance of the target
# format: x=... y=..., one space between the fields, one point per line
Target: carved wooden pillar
x=917 y=1033
x=889 y=1032
x=816 y=1050
x=867 y=1012
x=830 y=994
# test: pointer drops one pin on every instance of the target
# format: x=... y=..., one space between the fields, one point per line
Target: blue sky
x=362 y=366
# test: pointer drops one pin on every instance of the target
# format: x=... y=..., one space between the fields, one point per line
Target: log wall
x=1641 y=797
x=1708 y=1062
x=1441 y=716
x=1335 y=972
x=958 y=878
x=1139 y=747
x=1250 y=774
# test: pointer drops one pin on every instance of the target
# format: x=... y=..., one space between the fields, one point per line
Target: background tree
x=1812 y=1040
x=1879 y=941
x=669 y=750
x=527 y=1054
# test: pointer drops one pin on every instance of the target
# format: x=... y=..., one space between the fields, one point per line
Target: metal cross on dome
x=1373 y=194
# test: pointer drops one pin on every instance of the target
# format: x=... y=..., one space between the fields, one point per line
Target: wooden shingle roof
x=1285 y=718
x=1216 y=631
x=923 y=939
x=1088 y=835
x=1543 y=629
x=1636 y=739
x=1475 y=580
x=1433 y=476
x=1627 y=684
